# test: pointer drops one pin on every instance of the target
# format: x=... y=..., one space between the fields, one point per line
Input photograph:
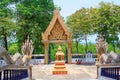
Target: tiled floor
x=75 y=72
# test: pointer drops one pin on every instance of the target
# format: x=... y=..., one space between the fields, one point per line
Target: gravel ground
x=75 y=72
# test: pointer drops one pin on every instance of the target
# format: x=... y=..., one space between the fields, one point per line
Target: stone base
x=59 y=62
x=59 y=72
x=59 y=67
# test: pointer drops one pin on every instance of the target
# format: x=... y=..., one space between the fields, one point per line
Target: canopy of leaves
x=103 y=20
x=80 y=23
x=33 y=17
x=7 y=26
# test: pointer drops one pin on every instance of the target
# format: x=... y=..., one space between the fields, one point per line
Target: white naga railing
x=84 y=58
x=35 y=60
x=32 y=61
x=39 y=59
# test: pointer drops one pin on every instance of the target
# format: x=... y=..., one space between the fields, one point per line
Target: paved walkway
x=75 y=72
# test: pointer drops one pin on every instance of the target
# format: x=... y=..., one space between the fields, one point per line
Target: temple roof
x=57 y=19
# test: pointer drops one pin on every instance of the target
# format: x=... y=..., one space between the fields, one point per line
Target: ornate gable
x=56 y=30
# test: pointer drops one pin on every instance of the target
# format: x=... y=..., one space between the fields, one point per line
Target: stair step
x=59 y=66
x=59 y=62
x=59 y=72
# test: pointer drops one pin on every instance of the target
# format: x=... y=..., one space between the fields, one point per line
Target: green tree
x=92 y=47
x=7 y=26
x=103 y=20
x=33 y=17
x=107 y=22
x=80 y=25
x=13 y=48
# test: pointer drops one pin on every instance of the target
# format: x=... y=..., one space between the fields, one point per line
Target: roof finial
x=57 y=10
x=59 y=48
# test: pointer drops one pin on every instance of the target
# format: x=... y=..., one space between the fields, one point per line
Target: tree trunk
x=5 y=42
x=118 y=45
x=114 y=46
x=86 y=48
x=77 y=46
x=5 y=39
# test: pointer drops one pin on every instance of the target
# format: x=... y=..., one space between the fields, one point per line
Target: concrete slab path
x=75 y=72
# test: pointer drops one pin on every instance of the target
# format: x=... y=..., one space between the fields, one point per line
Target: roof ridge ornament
x=57 y=10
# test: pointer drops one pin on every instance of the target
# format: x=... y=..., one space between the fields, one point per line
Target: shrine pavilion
x=57 y=32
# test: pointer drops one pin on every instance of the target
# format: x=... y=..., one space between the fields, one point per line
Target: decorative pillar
x=46 y=46
x=69 y=52
x=98 y=71
x=30 y=72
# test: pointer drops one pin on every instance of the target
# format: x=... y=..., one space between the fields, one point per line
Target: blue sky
x=68 y=7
